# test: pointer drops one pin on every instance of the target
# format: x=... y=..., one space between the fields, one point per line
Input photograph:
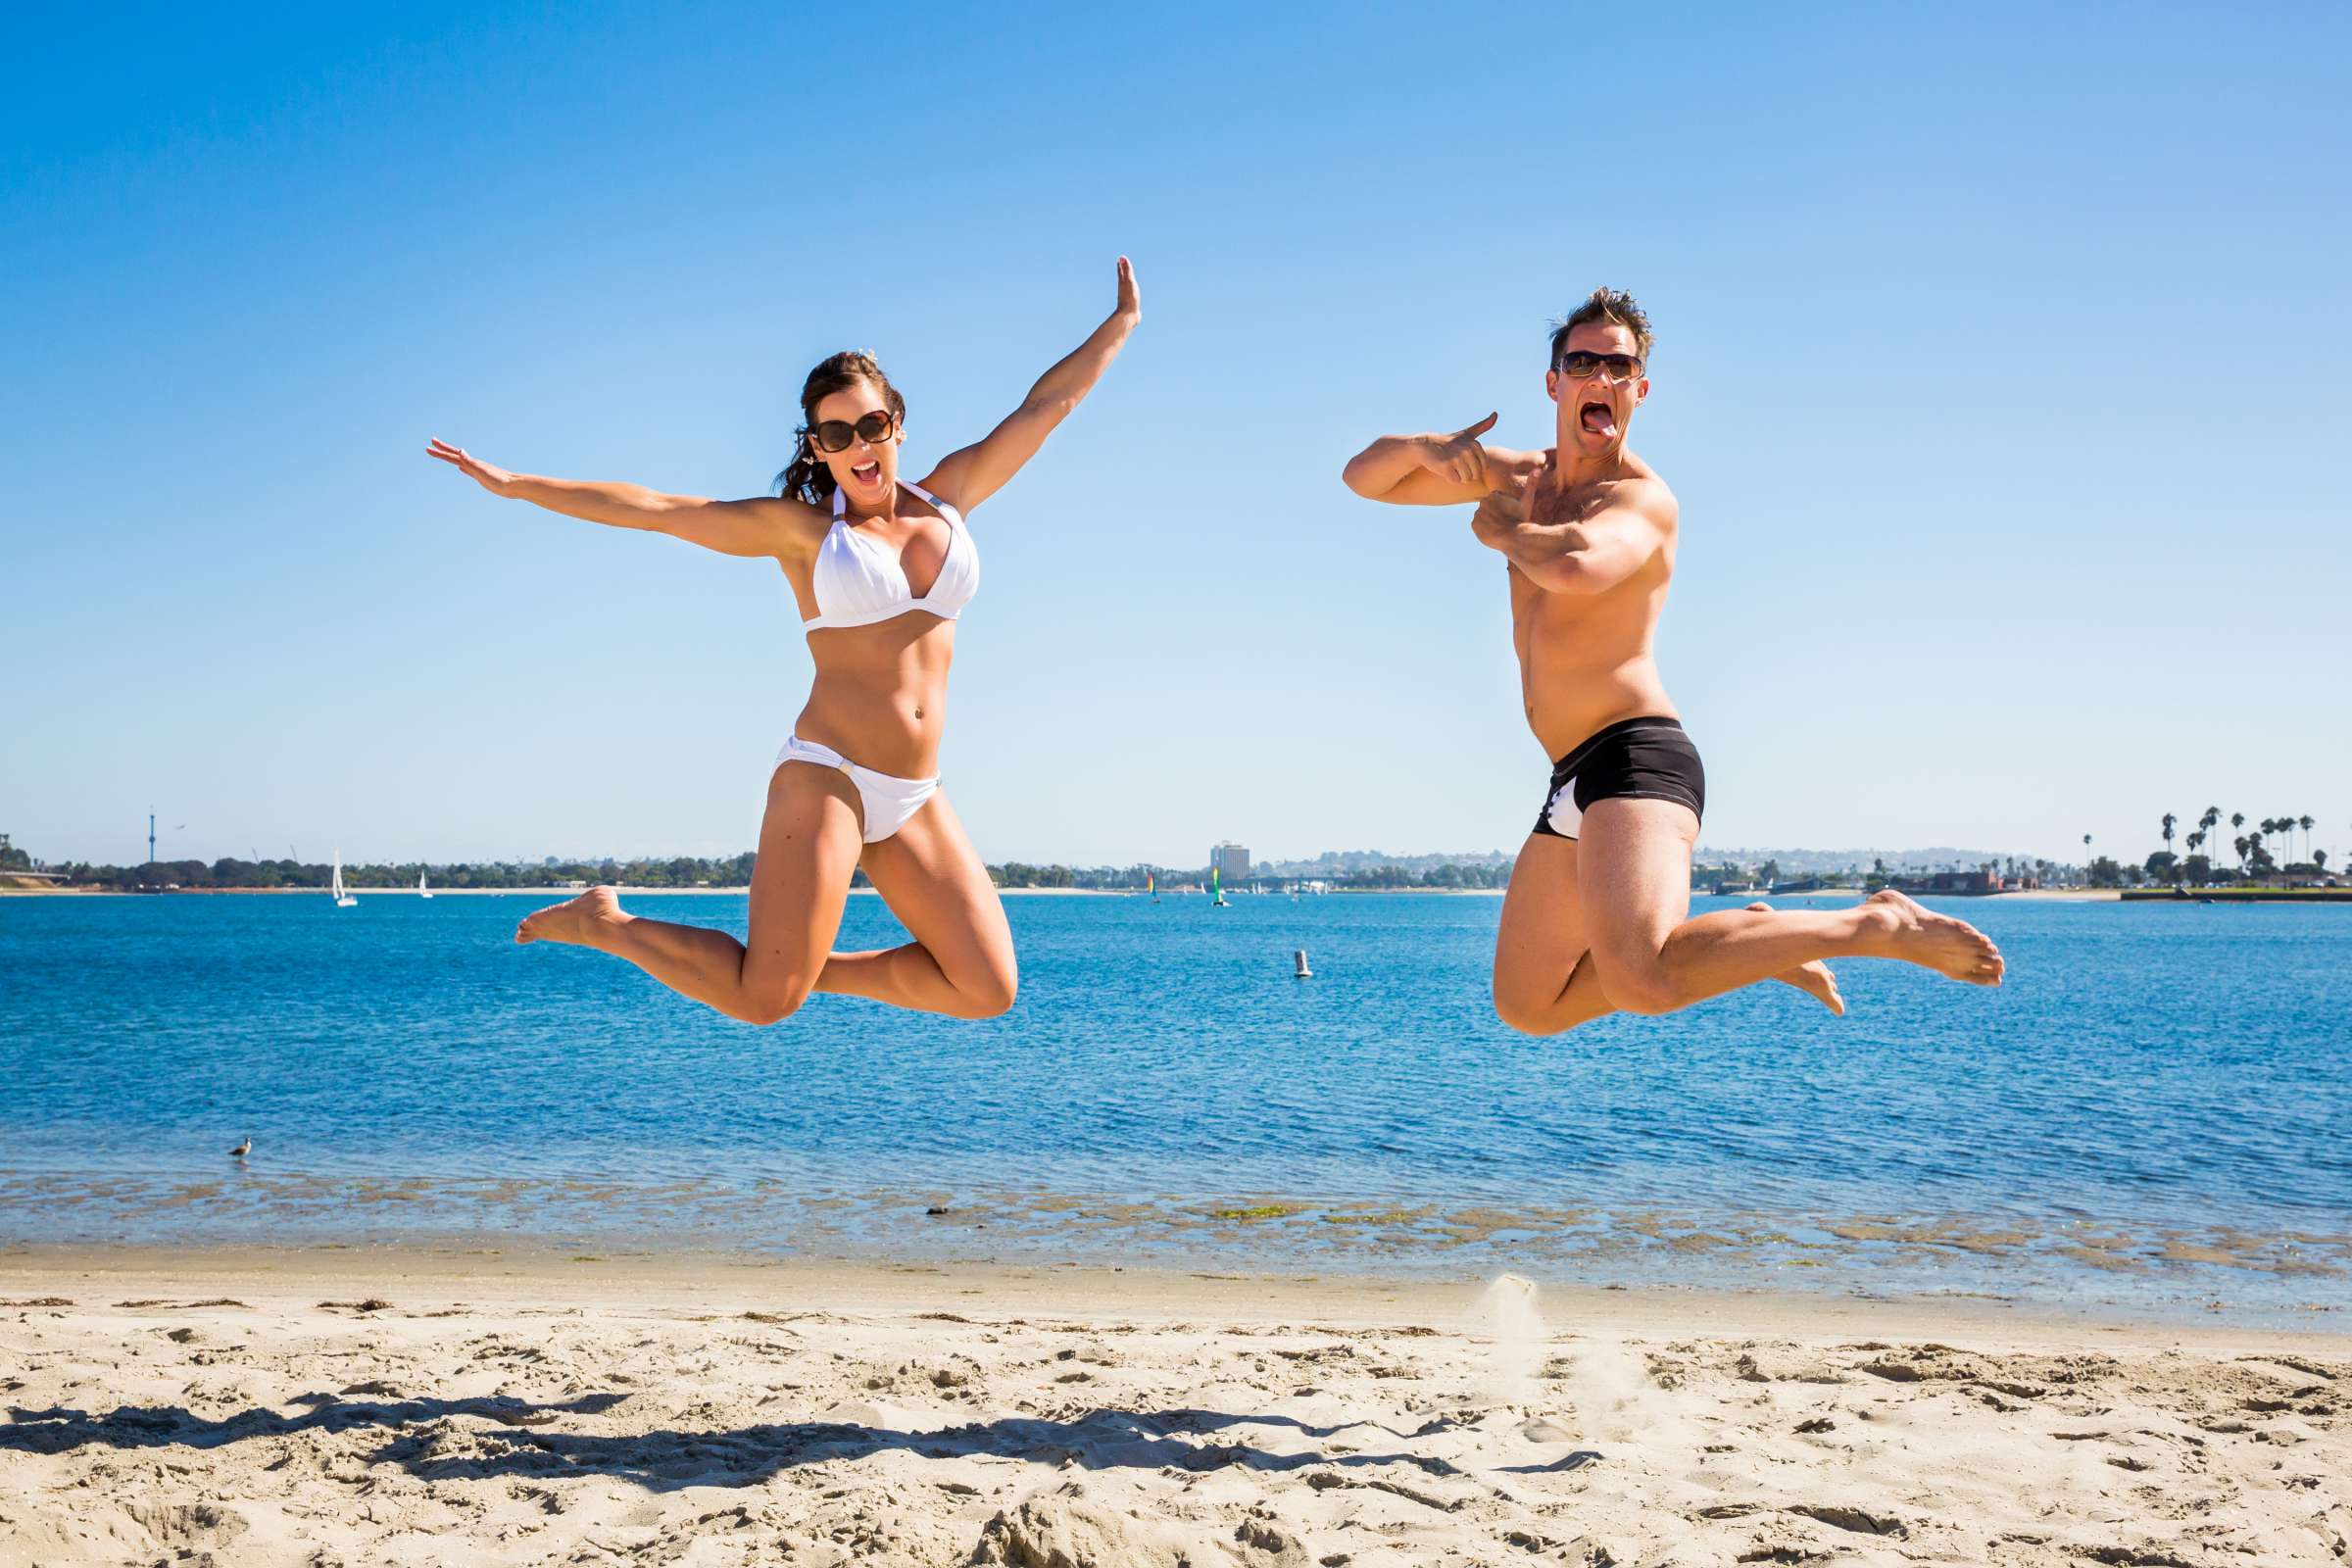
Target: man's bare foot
x=575 y=920
x=1813 y=979
x=1951 y=948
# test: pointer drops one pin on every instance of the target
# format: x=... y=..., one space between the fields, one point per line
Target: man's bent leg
x=1633 y=874
x=1544 y=982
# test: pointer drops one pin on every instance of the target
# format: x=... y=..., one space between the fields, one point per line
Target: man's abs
x=1586 y=663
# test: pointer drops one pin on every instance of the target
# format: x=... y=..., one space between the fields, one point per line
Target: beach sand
x=356 y=1407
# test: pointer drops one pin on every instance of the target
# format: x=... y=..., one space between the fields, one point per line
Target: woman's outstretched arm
x=763 y=525
x=967 y=478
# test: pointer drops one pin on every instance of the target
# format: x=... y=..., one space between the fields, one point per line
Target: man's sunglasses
x=1622 y=366
x=835 y=435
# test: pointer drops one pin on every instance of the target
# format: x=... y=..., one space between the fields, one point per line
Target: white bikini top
x=859 y=583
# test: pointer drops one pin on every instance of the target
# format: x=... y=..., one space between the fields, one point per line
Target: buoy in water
x=1301 y=971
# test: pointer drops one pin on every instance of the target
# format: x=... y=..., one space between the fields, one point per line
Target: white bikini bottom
x=889 y=801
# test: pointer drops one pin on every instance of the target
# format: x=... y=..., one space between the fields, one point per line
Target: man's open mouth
x=1598 y=417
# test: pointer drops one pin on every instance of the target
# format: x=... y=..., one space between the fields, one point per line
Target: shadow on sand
x=519 y=1439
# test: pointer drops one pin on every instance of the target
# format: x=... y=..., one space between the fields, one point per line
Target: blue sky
x=2000 y=371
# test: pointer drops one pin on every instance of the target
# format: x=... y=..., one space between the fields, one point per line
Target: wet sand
x=488 y=1406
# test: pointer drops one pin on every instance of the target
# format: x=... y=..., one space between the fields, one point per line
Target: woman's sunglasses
x=835 y=435
x=1622 y=366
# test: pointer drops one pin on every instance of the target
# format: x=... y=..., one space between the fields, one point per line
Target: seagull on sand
x=243 y=1148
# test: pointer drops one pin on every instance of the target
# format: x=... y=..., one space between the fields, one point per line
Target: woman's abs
x=880 y=700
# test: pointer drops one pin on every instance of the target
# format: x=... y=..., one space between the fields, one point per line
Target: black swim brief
x=1644 y=758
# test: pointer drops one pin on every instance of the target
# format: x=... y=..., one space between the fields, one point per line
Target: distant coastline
x=630 y=890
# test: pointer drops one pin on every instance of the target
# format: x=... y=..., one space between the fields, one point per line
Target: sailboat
x=342 y=895
x=1216 y=888
x=423 y=891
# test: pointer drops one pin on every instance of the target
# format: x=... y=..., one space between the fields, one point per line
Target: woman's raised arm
x=970 y=476
x=762 y=526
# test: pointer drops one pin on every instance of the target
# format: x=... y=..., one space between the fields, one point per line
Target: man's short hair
x=1604 y=304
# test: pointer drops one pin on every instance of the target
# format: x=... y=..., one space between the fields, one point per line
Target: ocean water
x=2155 y=1112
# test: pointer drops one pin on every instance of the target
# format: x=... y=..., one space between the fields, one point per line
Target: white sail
x=423 y=891
x=342 y=897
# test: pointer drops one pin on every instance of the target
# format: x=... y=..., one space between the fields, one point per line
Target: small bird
x=243 y=1148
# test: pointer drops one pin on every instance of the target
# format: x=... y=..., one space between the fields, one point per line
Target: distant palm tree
x=2306 y=823
x=2169 y=821
x=2240 y=844
x=2085 y=858
x=2210 y=820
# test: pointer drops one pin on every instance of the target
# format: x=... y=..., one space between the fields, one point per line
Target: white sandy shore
x=345 y=1408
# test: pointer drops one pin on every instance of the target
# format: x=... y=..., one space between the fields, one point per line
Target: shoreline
x=592 y=1270
x=280 y=1410
x=628 y=890
x=623 y=888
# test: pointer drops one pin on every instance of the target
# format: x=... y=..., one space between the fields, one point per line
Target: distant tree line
x=674 y=871
x=678 y=871
x=2267 y=851
x=1436 y=876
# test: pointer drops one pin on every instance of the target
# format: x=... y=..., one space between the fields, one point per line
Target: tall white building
x=1232 y=861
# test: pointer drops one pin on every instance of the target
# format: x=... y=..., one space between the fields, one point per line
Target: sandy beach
x=348 y=1407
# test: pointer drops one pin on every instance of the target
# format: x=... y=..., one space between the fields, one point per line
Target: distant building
x=1957 y=883
x=1231 y=861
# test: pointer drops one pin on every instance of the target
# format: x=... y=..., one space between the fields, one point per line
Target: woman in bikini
x=879 y=567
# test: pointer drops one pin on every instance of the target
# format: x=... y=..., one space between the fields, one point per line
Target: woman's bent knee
x=990 y=997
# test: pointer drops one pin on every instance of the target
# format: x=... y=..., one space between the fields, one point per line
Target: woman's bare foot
x=575 y=920
x=1951 y=948
x=1813 y=979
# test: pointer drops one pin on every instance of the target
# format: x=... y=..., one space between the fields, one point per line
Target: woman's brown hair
x=805 y=477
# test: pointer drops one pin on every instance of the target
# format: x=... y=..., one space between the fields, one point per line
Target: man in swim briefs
x=1597 y=916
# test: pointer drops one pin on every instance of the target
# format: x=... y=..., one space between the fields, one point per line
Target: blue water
x=2153 y=1111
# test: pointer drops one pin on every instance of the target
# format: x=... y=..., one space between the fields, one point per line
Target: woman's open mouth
x=1598 y=417
x=867 y=473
